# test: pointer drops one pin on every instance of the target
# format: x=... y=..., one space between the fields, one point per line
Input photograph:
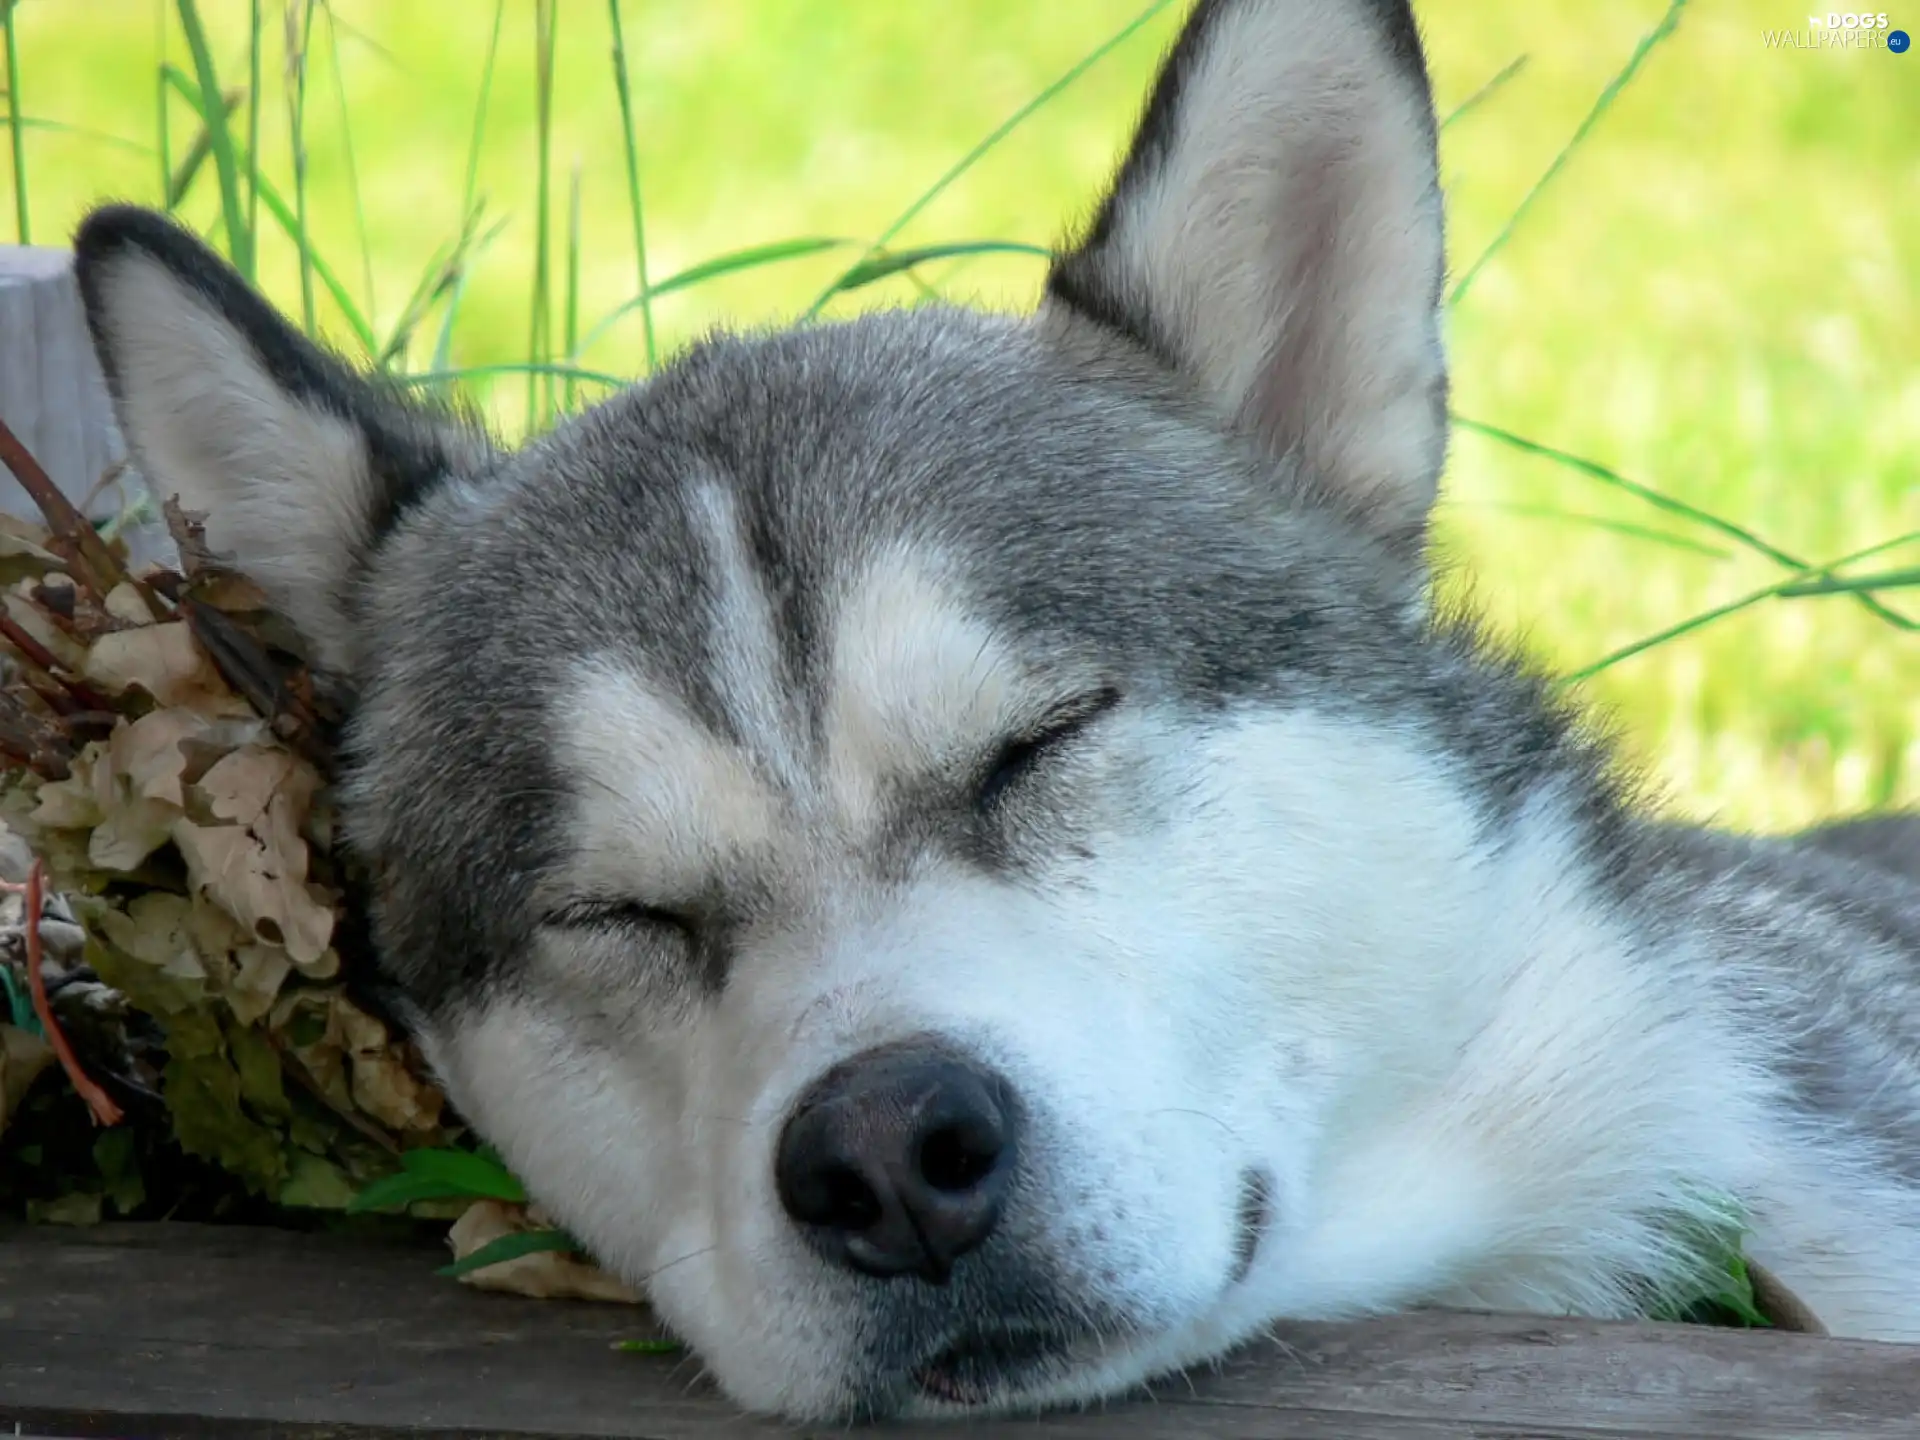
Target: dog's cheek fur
x=1330 y=934
x=646 y=1153
x=1505 y=1085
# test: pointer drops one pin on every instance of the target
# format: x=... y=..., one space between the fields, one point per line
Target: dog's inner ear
x=1274 y=236
x=298 y=463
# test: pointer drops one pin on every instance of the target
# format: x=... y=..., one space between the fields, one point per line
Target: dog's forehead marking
x=744 y=647
x=915 y=680
x=661 y=799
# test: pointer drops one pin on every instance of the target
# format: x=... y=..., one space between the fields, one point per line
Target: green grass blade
x=391 y=1192
x=443 y=270
x=17 y=132
x=161 y=129
x=1617 y=527
x=570 y=334
x=1731 y=1303
x=620 y=80
x=443 y=343
x=551 y=368
x=253 y=127
x=881 y=265
x=348 y=154
x=361 y=37
x=1848 y=585
x=540 y=327
x=239 y=241
x=297 y=38
x=510 y=1247
x=1000 y=132
x=480 y=111
x=201 y=147
x=1652 y=38
x=1733 y=607
x=438 y=265
x=479 y=1175
x=289 y=223
x=79 y=132
x=1486 y=92
x=1661 y=500
x=1657 y=498
x=748 y=258
x=649 y=1347
x=441 y=1174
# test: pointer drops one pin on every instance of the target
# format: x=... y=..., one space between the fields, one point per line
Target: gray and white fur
x=957 y=851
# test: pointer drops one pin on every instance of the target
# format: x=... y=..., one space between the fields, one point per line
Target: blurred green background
x=1716 y=295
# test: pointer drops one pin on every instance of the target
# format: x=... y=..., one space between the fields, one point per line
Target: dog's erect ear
x=299 y=463
x=1274 y=235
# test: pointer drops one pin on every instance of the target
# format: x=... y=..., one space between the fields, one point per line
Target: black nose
x=896 y=1161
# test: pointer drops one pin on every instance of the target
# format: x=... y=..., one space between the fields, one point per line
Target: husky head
x=902 y=831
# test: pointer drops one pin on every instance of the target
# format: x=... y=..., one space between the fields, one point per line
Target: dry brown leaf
x=146 y=753
x=323 y=1056
x=257 y=874
x=268 y=789
x=130 y=831
x=70 y=804
x=124 y=602
x=16 y=856
x=23 y=1055
x=166 y=662
x=23 y=537
x=242 y=786
x=230 y=592
x=139 y=785
x=383 y=1086
x=71 y=654
x=1780 y=1305
x=259 y=972
x=327 y=967
x=214 y=931
x=158 y=928
x=545 y=1275
x=157 y=752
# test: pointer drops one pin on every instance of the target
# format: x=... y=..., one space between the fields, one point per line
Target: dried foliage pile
x=163 y=769
x=177 y=927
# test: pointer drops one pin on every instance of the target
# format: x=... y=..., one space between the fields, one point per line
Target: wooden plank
x=53 y=396
x=162 y=1330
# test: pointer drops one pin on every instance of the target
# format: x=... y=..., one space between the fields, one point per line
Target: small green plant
x=1731 y=1303
x=649 y=1347
x=441 y=1174
x=1714 y=1231
x=449 y=1174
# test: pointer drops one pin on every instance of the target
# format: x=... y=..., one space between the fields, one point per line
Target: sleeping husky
x=955 y=851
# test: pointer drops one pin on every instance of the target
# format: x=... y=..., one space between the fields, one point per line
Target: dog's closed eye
x=625 y=916
x=1021 y=755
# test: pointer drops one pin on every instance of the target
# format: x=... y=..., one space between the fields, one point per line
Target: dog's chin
x=1067 y=1354
x=994 y=1370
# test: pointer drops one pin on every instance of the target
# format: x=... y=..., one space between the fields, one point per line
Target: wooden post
x=53 y=396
